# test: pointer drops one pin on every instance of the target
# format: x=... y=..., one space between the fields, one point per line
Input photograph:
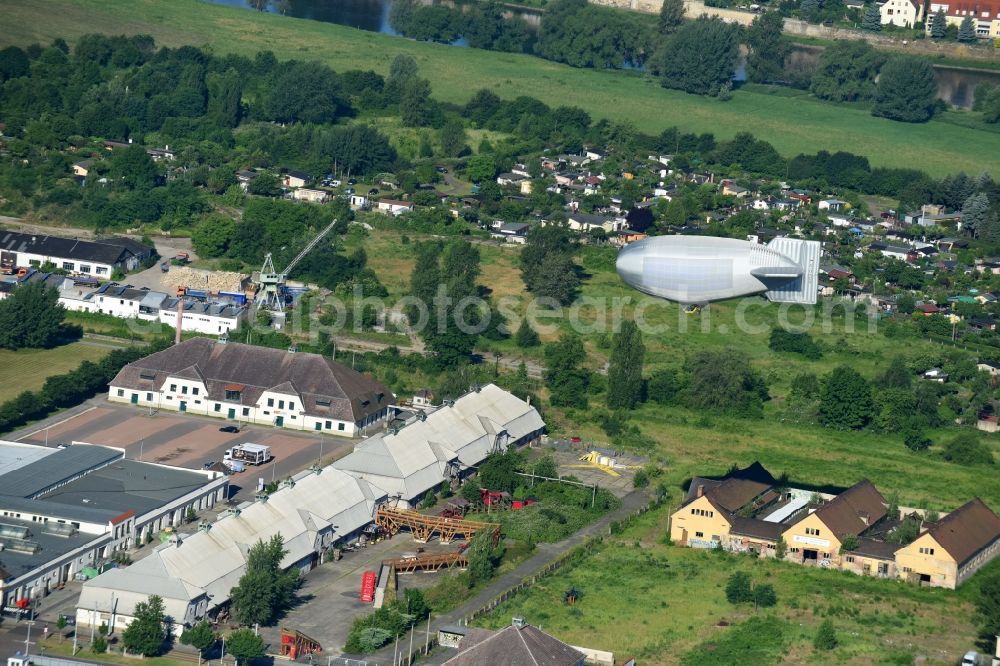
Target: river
x=956 y=85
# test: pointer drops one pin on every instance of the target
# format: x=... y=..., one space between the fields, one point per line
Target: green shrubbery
x=370 y=632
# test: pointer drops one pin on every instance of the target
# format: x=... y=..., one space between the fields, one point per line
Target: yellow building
x=709 y=510
x=953 y=549
x=817 y=537
x=747 y=512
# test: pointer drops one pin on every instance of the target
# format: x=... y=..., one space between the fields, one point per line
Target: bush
x=826 y=637
x=764 y=596
x=738 y=588
x=641 y=479
x=966 y=449
x=100 y=645
x=799 y=343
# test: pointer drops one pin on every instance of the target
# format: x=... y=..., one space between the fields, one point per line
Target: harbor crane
x=270 y=282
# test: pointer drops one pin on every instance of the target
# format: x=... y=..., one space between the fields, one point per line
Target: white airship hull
x=700 y=269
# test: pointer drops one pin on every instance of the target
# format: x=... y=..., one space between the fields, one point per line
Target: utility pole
x=427 y=637
x=409 y=656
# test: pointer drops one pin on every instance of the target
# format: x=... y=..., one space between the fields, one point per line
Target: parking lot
x=191 y=441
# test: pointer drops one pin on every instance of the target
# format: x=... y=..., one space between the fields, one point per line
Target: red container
x=368 y=587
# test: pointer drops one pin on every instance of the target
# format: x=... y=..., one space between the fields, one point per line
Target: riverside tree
x=767 y=48
x=700 y=57
x=906 y=90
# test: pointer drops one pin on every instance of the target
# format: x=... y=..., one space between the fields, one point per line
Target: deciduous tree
x=906 y=90
x=767 y=48
x=846 y=400
x=144 y=634
x=700 y=56
x=244 y=645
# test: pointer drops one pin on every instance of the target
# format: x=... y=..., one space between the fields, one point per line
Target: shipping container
x=368 y=587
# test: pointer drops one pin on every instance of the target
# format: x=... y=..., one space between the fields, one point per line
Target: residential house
x=992 y=367
x=584 y=222
x=255 y=385
x=985 y=15
x=832 y=204
x=312 y=196
x=394 y=206
x=935 y=375
x=358 y=201
x=82 y=168
x=161 y=154
x=731 y=189
x=244 y=178
x=510 y=178
x=953 y=549
x=512 y=232
x=902 y=13
x=893 y=251
x=952 y=244
x=294 y=179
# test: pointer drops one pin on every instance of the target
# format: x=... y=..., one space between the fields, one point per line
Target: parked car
x=229 y=428
x=441 y=169
x=373 y=191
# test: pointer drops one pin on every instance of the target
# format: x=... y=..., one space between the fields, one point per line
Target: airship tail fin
x=805 y=254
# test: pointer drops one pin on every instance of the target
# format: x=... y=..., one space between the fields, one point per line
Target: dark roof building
x=517 y=645
x=257 y=384
x=27 y=249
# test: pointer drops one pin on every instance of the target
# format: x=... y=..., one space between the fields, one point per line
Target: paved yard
x=187 y=440
x=330 y=593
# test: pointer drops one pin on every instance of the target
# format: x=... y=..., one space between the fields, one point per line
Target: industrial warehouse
x=250 y=384
x=67 y=510
x=313 y=511
x=98 y=258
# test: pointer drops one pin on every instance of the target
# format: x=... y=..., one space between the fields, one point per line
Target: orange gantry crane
x=428 y=563
x=424 y=527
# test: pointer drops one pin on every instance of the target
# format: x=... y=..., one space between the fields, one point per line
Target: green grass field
x=792 y=125
x=27 y=369
x=666 y=605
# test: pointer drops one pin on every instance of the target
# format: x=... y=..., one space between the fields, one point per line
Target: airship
x=695 y=270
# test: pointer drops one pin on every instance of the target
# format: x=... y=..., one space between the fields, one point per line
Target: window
x=699 y=534
x=340 y=426
x=812 y=531
x=121 y=393
x=84 y=268
x=926 y=551
x=149 y=397
x=267 y=413
x=907 y=569
x=35 y=263
x=329 y=424
x=173 y=387
x=194 y=391
x=147 y=374
x=281 y=404
x=246 y=411
x=270 y=402
x=184 y=390
x=67 y=265
x=232 y=395
x=703 y=512
x=322 y=402
x=217 y=408
x=291 y=405
x=101 y=270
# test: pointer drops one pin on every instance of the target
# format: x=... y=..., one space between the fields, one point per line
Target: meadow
x=27 y=369
x=793 y=123
x=639 y=596
x=690 y=443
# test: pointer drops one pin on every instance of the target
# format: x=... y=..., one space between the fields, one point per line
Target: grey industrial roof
x=35 y=478
x=14 y=456
x=127 y=485
x=50 y=546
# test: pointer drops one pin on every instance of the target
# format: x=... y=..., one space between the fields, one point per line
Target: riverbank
x=805 y=126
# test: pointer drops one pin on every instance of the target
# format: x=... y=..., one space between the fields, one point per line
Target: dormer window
x=147 y=374
x=323 y=402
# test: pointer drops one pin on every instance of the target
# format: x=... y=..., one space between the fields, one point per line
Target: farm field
x=791 y=124
x=27 y=369
x=666 y=605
